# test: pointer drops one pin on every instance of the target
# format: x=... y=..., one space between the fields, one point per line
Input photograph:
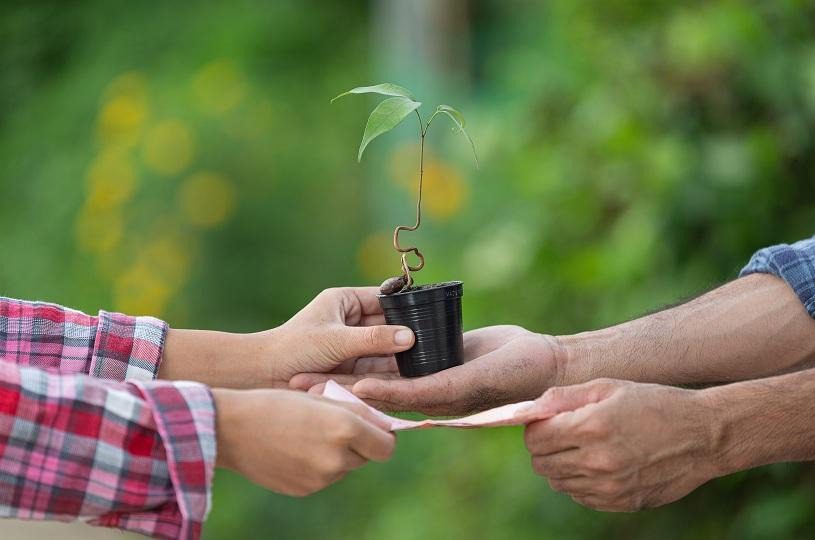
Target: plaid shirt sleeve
x=136 y=455
x=133 y=455
x=793 y=263
x=109 y=346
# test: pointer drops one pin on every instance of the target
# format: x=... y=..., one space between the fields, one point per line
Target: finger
x=372 y=442
x=367 y=299
x=458 y=390
x=561 y=465
x=599 y=502
x=352 y=461
x=380 y=364
x=560 y=399
x=372 y=320
x=557 y=434
x=362 y=412
x=317 y=389
x=361 y=341
x=304 y=381
x=577 y=485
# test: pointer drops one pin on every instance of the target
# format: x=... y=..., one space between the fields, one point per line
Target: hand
x=295 y=443
x=340 y=331
x=503 y=364
x=622 y=446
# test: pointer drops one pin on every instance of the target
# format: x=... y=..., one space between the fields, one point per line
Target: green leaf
x=385 y=117
x=458 y=120
x=385 y=89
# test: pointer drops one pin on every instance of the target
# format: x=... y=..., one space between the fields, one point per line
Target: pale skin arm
x=752 y=327
x=340 y=331
x=622 y=446
x=291 y=442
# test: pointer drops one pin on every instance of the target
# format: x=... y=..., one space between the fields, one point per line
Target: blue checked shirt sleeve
x=794 y=263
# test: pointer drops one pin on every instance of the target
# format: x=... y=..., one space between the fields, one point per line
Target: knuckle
x=592 y=428
x=539 y=465
x=602 y=462
x=556 y=485
x=373 y=336
x=610 y=488
x=531 y=437
x=331 y=464
x=344 y=433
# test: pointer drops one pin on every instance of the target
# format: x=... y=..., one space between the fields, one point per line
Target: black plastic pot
x=433 y=312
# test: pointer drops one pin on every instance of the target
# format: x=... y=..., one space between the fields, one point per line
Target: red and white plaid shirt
x=116 y=447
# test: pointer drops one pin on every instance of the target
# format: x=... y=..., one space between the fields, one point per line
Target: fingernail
x=403 y=337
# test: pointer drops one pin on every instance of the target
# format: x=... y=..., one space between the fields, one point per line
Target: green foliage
x=386 y=116
x=458 y=120
x=390 y=112
x=633 y=154
x=385 y=89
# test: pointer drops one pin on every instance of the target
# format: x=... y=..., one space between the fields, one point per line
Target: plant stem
x=406 y=268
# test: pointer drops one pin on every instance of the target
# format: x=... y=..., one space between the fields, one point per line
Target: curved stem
x=407 y=268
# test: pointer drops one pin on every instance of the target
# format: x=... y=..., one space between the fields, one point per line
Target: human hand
x=341 y=331
x=295 y=443
x=502 y=364
x=622 y=446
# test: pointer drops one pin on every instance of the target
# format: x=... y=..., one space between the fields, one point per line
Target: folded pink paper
x=506 y=415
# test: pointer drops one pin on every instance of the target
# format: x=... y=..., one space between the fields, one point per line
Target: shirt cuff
x=184 y=413
x=794 y=263
x=127 y=348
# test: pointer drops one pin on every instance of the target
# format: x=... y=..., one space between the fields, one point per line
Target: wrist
x=716 y=458
x=227 y=422
x=734 y=428
x=576 y=359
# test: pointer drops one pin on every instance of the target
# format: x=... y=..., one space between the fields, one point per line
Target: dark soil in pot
x=433 y=312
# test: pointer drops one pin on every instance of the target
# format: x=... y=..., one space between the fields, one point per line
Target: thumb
x=560 y=399
x=382 y=340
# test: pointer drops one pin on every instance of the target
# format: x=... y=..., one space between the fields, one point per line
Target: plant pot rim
x=424 y=294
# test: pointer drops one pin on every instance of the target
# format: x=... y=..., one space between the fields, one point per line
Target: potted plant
x=432 y=311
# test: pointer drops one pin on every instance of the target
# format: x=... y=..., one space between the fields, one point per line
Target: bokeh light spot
x=219 y=87
x=207 y=199
x=376 y=258
x=444 y=190
x=169 y=147
x=111 y=180
x=124 y=109
x=169 y=257
x=140 y=291
x=98 y=231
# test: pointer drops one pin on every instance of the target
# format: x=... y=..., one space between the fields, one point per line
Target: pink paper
x=505 y=415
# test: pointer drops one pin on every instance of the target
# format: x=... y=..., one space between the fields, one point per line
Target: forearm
x=752 y=327
x=764 y=421
x=219 y=359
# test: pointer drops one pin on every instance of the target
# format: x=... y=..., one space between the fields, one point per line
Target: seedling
x=386 y=116
x=433 y=312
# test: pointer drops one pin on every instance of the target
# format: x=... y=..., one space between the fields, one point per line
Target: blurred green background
x=182 y=160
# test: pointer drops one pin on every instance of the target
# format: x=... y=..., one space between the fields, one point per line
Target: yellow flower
x=207 y=199
x=169 y=147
